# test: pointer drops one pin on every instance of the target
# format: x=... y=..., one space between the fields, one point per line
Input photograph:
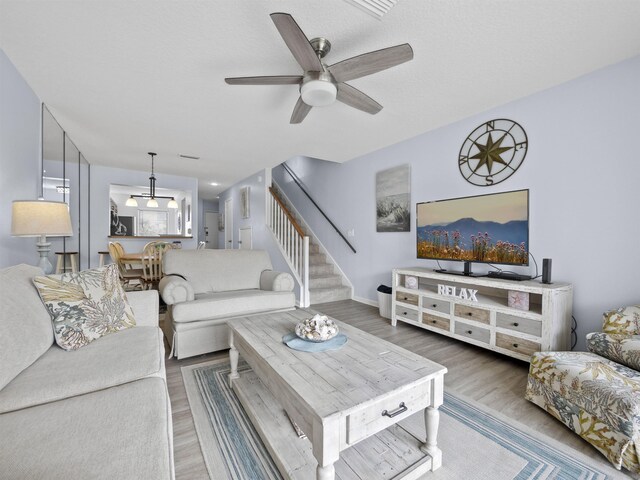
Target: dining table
x=132 y=257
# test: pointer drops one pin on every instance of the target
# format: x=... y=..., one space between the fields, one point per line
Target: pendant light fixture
x=151 y=196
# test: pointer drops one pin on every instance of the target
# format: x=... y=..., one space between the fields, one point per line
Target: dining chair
x=126 y=275
x=152 y=263
x=149 y=243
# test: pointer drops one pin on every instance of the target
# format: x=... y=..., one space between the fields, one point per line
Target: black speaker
x=546 y=270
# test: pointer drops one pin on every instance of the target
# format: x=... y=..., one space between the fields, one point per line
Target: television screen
x=490 y=228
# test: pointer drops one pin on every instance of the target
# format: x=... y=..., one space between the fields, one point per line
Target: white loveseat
x=205 y=288
x=101 y=411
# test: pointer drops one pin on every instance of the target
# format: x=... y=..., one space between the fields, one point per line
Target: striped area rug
x=476 y=444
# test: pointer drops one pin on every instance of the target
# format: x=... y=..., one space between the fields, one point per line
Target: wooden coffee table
x=346 y=401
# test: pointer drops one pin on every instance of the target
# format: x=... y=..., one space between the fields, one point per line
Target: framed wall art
x=393 y=196
x=153 y=222
x=245 y=196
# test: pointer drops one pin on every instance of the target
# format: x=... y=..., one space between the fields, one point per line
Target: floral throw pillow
x=624 y=349
x=624 y=320
x=85 y=305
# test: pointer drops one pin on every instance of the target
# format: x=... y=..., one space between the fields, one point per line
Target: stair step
x=314 y=248
x=321 y=269
x=330 y=294
x=317 y=258
x=324 y=281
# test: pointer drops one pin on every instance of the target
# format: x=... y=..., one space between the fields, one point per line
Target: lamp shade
x=152 y=203
x=131 y=202
x=172 y=203
x=34 y=218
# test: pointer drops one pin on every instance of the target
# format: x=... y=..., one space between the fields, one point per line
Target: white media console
x=476 y=310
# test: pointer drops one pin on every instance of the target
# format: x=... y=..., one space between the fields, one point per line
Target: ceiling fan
x=320 y=84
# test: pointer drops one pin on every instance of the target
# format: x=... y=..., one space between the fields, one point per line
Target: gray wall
x=19 y=159
x=582 y=170
x=102 y=177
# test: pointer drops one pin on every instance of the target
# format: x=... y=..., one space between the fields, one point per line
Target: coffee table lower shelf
x=390 y=454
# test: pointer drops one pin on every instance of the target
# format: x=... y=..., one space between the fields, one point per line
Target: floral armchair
x=597 y=394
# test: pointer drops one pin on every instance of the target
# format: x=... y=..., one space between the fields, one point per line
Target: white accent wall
x=582 y=169
x=19 y=159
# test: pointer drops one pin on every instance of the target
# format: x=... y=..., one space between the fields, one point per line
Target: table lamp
x=40 y=218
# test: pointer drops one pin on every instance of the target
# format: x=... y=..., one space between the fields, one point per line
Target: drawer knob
x=406 y=298
x=404 y=313
x=470 y=314
x=516 y=324
x=434 y=305
x=401 y=409
x=469 y=332
x=515 y=345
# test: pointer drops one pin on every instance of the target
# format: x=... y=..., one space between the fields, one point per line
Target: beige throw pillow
x=85 y=306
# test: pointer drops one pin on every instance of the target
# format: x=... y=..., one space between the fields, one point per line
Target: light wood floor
x=487 y=377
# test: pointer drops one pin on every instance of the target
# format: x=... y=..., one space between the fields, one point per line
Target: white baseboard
x=366 y=301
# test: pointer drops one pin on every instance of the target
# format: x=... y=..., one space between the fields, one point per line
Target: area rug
x=477 y=444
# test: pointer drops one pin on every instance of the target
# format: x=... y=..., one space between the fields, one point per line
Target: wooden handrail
x=287 y=213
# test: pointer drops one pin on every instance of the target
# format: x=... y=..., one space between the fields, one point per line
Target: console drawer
x=406 y=312
x=519 y=324
x=441 y=306
x=470 y=331
x=471 y=313
x=434 y=321
x=407 y=298
x=515 y=344
x=370 y=419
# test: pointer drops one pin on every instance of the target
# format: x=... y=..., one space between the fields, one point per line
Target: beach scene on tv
x=487 y=228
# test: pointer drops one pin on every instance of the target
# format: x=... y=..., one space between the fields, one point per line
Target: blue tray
x=297 y=343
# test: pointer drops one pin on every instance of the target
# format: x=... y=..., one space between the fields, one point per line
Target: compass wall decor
x=492 y=152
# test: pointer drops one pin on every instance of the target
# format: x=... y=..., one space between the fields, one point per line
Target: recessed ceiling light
x=213 y=184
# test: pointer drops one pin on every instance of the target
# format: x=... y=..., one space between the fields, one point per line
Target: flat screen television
x=491 y=228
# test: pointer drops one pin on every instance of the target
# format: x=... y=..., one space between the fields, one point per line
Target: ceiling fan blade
x=372 y=62
x=297 y=42
x=270 y=80
x=356 y=99
x=299 y=111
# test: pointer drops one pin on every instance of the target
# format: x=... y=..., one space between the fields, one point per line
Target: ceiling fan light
x=318 y=93
x=131 y=202
x=152 y=203
x=172 y=203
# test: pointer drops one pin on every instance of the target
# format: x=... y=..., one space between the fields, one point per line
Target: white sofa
x=101 y=411
x=205 y=288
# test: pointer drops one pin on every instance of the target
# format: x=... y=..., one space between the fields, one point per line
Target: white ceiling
x=127 y=77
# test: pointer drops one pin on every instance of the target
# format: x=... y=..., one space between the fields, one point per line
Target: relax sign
x=461 y=293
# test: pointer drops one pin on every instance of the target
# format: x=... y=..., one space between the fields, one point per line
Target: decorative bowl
x=318 y=329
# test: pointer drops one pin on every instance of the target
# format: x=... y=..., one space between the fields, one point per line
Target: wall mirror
x=133 y=214
x=65 y=178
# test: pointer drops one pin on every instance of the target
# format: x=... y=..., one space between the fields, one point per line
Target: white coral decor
x=317 y=329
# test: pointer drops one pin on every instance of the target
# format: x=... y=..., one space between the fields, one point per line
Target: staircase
x=325 y=281
x=324 y=284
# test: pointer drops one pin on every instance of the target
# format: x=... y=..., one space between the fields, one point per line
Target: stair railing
x=298 y=182
x=293 y=243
